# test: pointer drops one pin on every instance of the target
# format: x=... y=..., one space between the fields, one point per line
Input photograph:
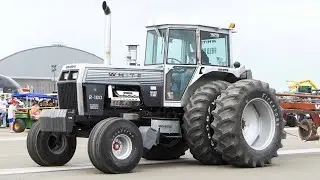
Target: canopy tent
x=33 y=95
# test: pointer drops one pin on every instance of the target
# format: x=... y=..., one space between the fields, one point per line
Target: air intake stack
x=132 y=55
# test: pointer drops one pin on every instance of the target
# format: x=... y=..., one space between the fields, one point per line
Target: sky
x=277 y=40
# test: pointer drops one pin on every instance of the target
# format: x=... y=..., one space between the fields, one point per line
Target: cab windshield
x=181 y=47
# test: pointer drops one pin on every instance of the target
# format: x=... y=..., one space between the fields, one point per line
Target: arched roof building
x=8 y=85
x=33 y=66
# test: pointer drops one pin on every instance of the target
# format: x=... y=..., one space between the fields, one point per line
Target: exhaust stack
x=107 y=36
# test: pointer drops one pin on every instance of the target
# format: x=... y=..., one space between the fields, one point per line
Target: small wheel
x=115 y=146
x=50 y=149
x=19 y=126
x=248 y=124
x=291 y=121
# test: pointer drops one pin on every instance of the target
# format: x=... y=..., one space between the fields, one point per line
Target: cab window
x=214 y=48
x=155 y=47
x=182 y=47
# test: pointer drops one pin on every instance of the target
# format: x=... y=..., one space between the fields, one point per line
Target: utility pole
x=53 y=70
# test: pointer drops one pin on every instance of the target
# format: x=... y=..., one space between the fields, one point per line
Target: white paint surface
x=8 y=138
x=299 y=151
x=39 y=169
x=291 y=129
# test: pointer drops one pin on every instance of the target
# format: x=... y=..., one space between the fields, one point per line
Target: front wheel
x=19 y=126
x=248 y=124
x=50 y=149
x=115 y=146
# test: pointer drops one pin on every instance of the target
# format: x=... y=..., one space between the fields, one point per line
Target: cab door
x=180 y=65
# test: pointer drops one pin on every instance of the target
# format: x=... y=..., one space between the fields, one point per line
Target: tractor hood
x=99 y=73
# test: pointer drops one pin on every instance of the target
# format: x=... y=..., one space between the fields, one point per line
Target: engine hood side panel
x=150 y=81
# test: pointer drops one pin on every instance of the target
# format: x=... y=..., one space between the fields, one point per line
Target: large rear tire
x=49 y=149
x=174 y=149
x=248 y=124
x=197 y=120
x=115 y=146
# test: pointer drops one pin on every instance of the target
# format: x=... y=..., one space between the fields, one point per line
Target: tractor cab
x=187 y=45
x=184 y=49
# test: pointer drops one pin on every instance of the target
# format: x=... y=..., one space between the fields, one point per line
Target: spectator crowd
x=8 y=107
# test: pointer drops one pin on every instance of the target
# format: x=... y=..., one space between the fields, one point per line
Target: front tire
x=248 y=124
x=50 y=149
x=197 y=120
x=115 y=146
x=19 y=126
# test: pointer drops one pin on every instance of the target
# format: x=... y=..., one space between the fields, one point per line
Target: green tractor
x=23 y=118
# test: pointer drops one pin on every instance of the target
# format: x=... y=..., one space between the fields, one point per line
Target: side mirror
x=105 y=8
x=236 y=64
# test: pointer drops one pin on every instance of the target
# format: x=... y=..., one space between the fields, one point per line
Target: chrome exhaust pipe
x=107 y=36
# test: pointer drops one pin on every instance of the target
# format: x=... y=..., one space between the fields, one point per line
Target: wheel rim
x=121 y=146
x=56 y=143
x=258 y=124
x=16 y=126
x=209 y=120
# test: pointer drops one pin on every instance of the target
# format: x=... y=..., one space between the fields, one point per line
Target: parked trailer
x=306 y=104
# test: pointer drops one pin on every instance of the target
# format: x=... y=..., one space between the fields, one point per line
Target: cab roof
x=195 y=26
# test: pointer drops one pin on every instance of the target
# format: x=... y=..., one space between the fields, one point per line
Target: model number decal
x=96 y=97
x=221 y=69
x=94 y=106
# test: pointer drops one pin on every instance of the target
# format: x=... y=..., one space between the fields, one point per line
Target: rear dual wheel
x=197 y=120
x=248 y=124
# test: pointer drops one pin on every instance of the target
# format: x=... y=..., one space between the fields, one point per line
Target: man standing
x=3 y=111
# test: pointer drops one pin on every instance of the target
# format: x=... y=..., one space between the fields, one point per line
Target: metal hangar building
x=38 y=68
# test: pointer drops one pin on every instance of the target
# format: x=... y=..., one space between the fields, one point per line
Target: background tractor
x=188 y=95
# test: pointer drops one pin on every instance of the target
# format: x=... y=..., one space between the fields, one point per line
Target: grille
x=67 y=95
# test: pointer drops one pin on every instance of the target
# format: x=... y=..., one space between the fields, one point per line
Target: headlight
x=74 y=75
x=65 y=75
x=69 y=75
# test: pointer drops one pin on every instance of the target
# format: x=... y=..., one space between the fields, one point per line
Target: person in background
x=11 y=114
x=3 y=111
x=35 y=111
x=50 y=103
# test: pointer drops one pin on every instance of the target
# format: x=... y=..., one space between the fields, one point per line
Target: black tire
x=228 y=124
x=38 y=145
x=100 y=145
x=168 y=151
x=291 y=121
x=195 y=123
x=19 y=126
